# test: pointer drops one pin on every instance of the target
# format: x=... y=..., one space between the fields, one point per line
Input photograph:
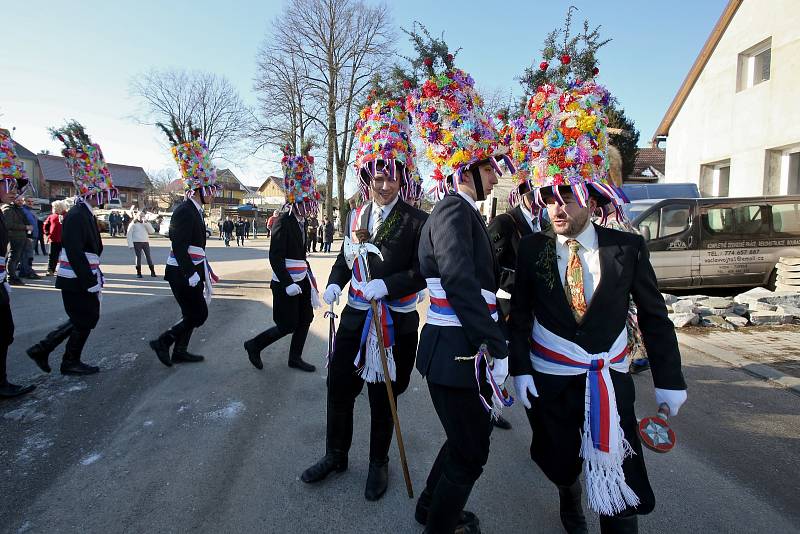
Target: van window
x=739 y=220
x=674 y=220
x=648 y=226
x=786 y=218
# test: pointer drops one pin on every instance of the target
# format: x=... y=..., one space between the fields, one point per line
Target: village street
x=219 y=446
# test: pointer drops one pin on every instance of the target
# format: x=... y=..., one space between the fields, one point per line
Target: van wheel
x=773 y=279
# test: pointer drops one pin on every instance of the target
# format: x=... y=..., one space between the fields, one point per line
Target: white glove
x=422 y=295
x=500 y=370
x=375 y=290
x=293 y=290
x=95 y=288
x=194 y=279
x=331 y=293
x=523 y=384
x=674 y=398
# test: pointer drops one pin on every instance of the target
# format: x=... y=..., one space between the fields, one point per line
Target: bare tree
x=209 y=101
x=158 y=190
x=339 y=44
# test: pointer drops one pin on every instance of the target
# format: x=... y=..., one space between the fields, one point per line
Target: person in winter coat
x=52 y=230
x=227 y=231
x=17 y=225
x=239 y=232
x=138 y=234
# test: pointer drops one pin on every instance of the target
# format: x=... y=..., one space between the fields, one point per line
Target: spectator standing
x=227 y=231
x=126 y=220
x=329 y=229
x=26 y=262
x=112 y=223
x=311 y=241
x=239 y=232
x=271 y=222
x=17 y=225
x=247 y=229
x=52 y=229
x=39 y=243
x=255 y=227
x=138 y=233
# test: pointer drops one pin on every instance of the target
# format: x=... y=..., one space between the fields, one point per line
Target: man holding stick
x=382 y=295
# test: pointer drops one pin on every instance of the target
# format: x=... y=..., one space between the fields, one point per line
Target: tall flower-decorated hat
x=85 y=163
x=449 y=116
x=300 y=186
x=561 y=138
x=383 y=132
x=193 y=158
x=12 y=172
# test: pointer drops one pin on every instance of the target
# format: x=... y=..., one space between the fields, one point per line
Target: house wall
x=754 y=129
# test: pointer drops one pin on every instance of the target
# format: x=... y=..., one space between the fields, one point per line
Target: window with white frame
x=715 y=179
x=754 y=65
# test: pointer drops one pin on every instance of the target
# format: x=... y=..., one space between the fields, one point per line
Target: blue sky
x=75 y=60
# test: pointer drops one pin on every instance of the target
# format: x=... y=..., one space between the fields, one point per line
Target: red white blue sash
x=198 y=256
x=299 y=269
x=603 y=444
x=441 y=313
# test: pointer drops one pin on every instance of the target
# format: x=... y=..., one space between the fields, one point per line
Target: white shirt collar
x=197 y=205
x=587 y=237
x=468 y=199
x=529 y=217
x=385 y=209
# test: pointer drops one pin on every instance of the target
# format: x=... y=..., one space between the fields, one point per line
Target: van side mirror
x=645 y=231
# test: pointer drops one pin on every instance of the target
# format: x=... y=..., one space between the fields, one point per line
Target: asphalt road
x=219 y=446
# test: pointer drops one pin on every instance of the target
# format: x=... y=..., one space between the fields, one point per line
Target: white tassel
x=315 y=303
x=372 y=371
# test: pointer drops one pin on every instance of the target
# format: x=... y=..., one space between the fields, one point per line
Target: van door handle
x=690 y=241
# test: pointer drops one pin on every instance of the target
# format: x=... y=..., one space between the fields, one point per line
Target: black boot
x=339 y=435
x=138 y=271
x=446 y=506
x=500 y=422
x=466 y=521
x=152 y=271
x=72 y=364
x=296 y=350
x=571 y=507
x=181 y=354
x=260 y=342
x=7 y=389
x=619 y=525
x=377 y=479
x=164 y=342
x=40 y=352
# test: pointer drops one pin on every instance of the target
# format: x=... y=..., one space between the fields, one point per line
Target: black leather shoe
x=78 y=368
x=465 y=521
x=619 y=525
x=298 y=363
x=499 y=422
x=32 y=276
x=40 y=358
x=183 y=356
x=9 y=391
x=162 y=351
x=330 y=463
x=377 y=479
x=15 y=282
x=253 y=354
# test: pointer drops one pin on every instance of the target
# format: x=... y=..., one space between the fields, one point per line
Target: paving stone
x=762 y=307
x=718 y=302
x=737 y=321
x=681 y=320
x=683 y=306
x=770 y=318
x=695 y=298
x=715 y=321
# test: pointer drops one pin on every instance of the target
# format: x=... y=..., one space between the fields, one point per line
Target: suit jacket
x=399 y=269
x=79 y=234
x=4 y=241
x=186 y=228
x=505 y=231
x=625 y=272
x=286 y=242
x=455 y=247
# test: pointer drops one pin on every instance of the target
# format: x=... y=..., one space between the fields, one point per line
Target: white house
x=734 y=125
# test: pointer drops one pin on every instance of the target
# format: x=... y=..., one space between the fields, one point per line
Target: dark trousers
x=311 y=243
x=17 y=247
x=326 y=247
x=467 y=426
x=227 y=237
x=38 y=244
x=556 y=418
x=194 y=310
x=52 y=262
x=6 y=331
x=239 y=240
x=138 y=248
x=83 y=310
x=292 y=315
x=344 y=385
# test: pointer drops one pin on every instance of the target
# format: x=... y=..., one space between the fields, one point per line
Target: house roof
x=647 y=158
x=55 y=170
x=697 y=68
x=278 y=181
x=23 y=152
x=224 y=176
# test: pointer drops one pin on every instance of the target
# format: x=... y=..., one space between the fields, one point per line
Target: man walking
x=17 y=225
x=227 y=231
x=239 y=232
x=26 y=261
x=188 y=272
x=384 y=161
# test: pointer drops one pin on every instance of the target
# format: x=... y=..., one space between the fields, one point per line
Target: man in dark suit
x=458 y=262
x=12 y=181
x=394 y=227
x=293 y=286
x=188 y=272
x=613 y=267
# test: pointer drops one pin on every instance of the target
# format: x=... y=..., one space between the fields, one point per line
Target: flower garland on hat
x=85 y=163
x=12 y=172
x=449 y=116
x=300 y=186
x=193 y=158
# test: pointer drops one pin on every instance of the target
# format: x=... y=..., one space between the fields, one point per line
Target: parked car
x=102 y=221
x=164 y=227
x=718 y=242
x=660 y=191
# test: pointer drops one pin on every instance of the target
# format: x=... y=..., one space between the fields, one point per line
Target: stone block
x=669 y=299
x=715 y=321
x=737 y=321
x=683 y=306
x=762 y=307
x=681 y=320
x=703 y=311
x=718 y=302
x=781 y=298
x=770 y=318
x=721 y=311
x=751 y=296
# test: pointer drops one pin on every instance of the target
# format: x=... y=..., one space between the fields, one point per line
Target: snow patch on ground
x=229 y=412
x=118 y=360
x=147 y=423
x=34 y=445
x=25 y=527
x=92 y=458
